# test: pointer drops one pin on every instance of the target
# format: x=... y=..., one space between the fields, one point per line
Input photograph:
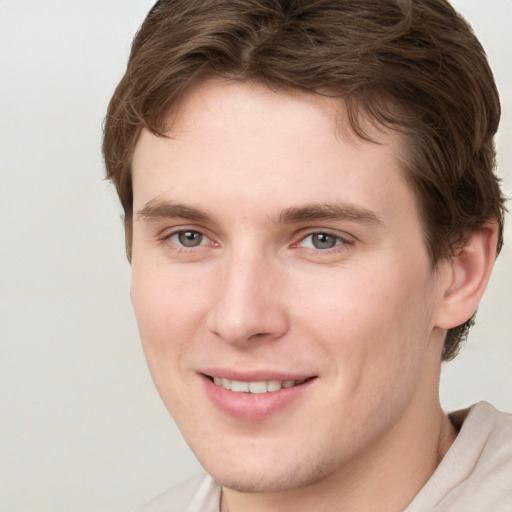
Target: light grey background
x=81 y=428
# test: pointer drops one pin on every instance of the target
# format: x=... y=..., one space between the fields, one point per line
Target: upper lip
x=255 y=375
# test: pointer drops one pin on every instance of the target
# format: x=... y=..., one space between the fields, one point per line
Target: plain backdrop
x=81 y=427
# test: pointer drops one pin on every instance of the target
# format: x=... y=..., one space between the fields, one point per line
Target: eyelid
x=342 y=235
x=166 y=234
x=343 y=238
x=175 y=238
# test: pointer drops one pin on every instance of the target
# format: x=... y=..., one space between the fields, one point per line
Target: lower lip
x=252 y=406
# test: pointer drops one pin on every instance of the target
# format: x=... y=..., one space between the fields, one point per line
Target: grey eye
x=324 y=241
x=190 y=238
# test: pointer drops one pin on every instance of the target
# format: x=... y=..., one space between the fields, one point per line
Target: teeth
x=274 y=385
x=258 y=387
x=239 y=386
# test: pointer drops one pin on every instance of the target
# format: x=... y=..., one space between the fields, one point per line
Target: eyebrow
x=157 y=210
x=336 y=211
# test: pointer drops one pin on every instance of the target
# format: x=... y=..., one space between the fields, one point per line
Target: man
x=312 y=216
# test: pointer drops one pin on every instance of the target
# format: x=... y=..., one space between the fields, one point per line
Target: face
x=282 y=287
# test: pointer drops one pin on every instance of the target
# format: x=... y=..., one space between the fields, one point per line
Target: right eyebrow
x=157 y=210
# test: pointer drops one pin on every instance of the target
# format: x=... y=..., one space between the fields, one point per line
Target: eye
x=188 y=238
x=321 y=241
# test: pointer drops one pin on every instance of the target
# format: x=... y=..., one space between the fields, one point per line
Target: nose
x=248 y=304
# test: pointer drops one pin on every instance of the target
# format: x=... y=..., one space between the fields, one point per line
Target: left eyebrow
x=156 y=210
x=337 y=211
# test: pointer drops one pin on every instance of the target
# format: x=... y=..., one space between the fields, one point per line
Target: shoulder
x=484 y=443
x=199 y=493
x=488 y=439
x=476 y=472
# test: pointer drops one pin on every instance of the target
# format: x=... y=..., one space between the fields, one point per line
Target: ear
x=467 y=276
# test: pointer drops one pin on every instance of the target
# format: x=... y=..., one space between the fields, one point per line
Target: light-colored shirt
x=474 y=476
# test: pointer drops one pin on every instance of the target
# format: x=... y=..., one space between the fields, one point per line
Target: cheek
x=369 y=320
x=165 y=318
x=166 y=310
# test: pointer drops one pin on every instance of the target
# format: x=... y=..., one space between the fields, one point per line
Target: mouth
x=256 y=387
x=259 y=396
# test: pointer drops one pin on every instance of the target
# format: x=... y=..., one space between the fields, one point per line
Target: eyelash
x=179 y=246
x=340 y=242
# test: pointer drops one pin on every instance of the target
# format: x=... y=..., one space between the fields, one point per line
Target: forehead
x=247 y=141
x=219 y=101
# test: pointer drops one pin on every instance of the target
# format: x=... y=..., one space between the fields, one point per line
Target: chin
x=268 y=477
x=260 y=483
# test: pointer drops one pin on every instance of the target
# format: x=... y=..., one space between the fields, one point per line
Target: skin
x=366 y=317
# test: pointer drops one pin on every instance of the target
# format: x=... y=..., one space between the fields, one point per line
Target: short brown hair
x=410 y=65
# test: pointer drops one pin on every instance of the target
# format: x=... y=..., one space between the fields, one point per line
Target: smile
x=256 y=387
x=254 y=395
